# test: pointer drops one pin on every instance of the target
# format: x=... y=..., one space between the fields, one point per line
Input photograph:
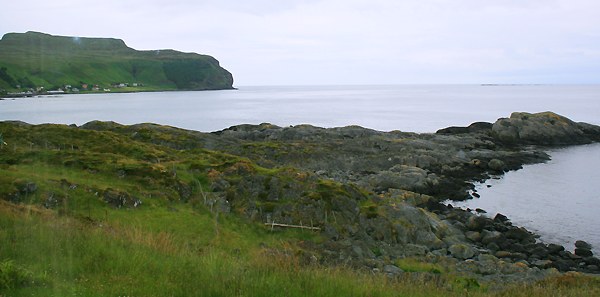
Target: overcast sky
x=307 y=42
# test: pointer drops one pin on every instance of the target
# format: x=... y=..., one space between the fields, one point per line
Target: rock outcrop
x=545 y=128
x=377 y=196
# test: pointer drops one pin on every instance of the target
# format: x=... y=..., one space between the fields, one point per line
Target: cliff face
x=33 y=60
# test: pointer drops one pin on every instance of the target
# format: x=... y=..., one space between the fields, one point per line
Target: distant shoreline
x=31 y=95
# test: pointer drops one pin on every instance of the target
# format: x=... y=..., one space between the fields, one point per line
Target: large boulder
x=403 y=177
x=545 y=128
x=583 y=249
x=462 y=251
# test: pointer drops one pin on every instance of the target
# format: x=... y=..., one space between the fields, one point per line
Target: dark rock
x=453 y=130
x=496 y=165
x=477 y=223
x=119 y=199
x=545 y=128
x=583 y=252
x=505 y=244
x=480 y=127
x=500 y=218
x=219 y=185
x=331 y=233
x=491 y=236
x=555 y=248
x=392 y=270
x=52 y=200
x=492 y=246
x=473 y=128
x=573 y=256
x=410 y=250
x=357 y=250
x=503 y=254
x=404 y=177
x=461 y=251
x=518 y=234
x=543 y=264
x=563 y=265
x=217 y=202
x=580 y=244
x=592 y=261
x=518 y=248
x=26 y=187
x=184 y=190
x=540 y=251
x=518 y=256
x=473 y=236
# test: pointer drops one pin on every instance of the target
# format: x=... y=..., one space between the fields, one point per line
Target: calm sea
x=415 y=108
x=559 y=199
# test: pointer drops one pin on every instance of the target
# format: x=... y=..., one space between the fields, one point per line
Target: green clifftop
x=34 y=60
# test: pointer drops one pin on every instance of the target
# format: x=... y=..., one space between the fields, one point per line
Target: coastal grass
x=63 y=256
x=59 y=236
x=76 y=258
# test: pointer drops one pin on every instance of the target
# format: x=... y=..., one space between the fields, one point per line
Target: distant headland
x=34 y=63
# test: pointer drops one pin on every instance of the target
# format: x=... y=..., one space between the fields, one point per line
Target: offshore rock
x=545 y=128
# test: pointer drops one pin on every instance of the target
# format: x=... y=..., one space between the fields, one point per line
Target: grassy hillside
x=109 y=211
x=34 y=60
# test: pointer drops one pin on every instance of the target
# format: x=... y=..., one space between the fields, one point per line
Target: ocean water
x=559 y=199
x=415 y=108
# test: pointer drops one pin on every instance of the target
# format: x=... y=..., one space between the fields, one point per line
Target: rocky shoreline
x=377 y=198
x=411 y=174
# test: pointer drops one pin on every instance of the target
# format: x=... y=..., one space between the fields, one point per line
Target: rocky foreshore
x=412 y=174
x=378 y=197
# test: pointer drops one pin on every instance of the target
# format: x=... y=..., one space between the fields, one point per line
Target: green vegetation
x=71 y=224
x=418 y=265
x=35 y=60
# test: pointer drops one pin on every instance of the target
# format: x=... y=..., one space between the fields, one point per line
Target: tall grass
x=76 y=258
